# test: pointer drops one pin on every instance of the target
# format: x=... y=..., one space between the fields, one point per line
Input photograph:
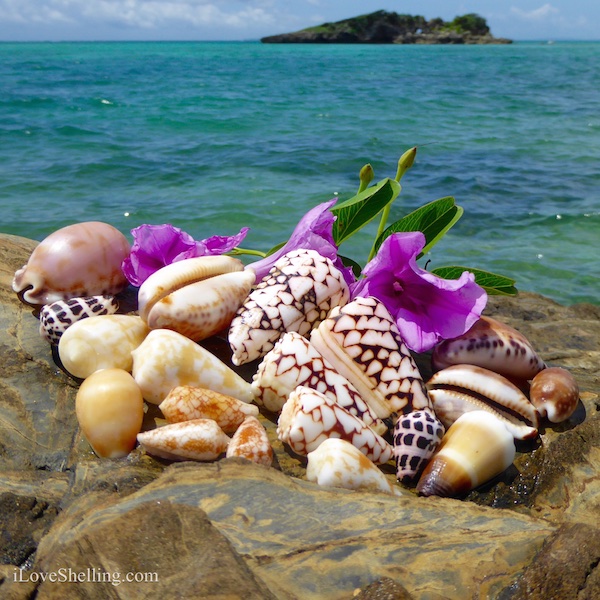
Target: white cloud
x=537 y=14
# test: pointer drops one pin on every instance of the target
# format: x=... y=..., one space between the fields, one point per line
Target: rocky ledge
x=382 y=27
x=75 y=526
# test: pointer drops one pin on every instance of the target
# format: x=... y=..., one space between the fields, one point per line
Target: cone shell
x=57 y=317
x=555 y=394
x=200 y=439
x=309 y=417
x=196 y=297
x=462 y=388
x=416 y=437
x=251 y=441
x=185 y=403
x=475 y=449
x=101 y=342
x=492 y=345
x=110 y=410
x=78 y=260
x=294 y=361
x=362 y=343
x=337 y=463
x=167 y=359
x=296 y=295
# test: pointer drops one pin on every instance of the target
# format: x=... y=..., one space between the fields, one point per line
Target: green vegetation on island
x=383 y=27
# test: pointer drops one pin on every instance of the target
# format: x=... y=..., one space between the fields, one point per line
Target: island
x=383 y=27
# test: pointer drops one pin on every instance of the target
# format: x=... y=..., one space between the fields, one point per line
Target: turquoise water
x=216 y=136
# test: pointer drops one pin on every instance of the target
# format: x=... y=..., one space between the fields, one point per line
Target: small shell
x=296 y=295
x=362 y=343
x=78 y=260
x=295 y=361
x=555 y=394
x=337 y=463
x=101 y=342
x=167 y=359
x=110 y=410
x=463 y=388
x=57 y=317
x=185 y=403
x=251 y=441
x=309 y=417
x=416 y=437
x=475 y=449
x=492 y=345
x=197 y=297
x=200 y=439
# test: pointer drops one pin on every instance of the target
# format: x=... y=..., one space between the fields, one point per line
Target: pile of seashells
x=346 y=391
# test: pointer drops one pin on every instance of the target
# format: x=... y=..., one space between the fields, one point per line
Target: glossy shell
x=57 y=317
x=101 y=342
x=296 y=295
x=555 y=394
x=251 y=441
x=110 y=409
x=78 y=260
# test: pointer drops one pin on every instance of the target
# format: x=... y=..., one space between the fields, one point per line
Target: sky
x=99 y=20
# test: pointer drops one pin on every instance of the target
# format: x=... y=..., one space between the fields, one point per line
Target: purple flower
x=426 y=307
x=155 y=246
x=313 y=232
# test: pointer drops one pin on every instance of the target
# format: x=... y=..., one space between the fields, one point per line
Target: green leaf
x=433 y=219
x=349 y=262
x=356 y=212
x=493 y=284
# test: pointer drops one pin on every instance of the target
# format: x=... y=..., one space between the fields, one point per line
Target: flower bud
x=406 y=162
x=366 y=176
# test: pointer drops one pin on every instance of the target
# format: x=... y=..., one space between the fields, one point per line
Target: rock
x=235 y=529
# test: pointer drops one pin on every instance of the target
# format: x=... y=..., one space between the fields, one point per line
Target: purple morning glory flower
x=156 y=246
x=426 y=308
x=313 y=232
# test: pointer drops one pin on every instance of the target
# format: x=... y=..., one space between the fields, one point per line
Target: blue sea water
x=216 y=136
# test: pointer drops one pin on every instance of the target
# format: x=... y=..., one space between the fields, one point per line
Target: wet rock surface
x=234 y=529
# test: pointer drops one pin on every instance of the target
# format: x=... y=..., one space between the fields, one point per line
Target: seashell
x=492 y=345
x=337 y=463
x=78 y=260
x=362 y=343
x=101 y=342
x=296 y=295
x=555 y=394
x=110 y=410
x=55 y=318
x=416 y=437
x=476 y=448
x=462 y=388
x=199 y=439
x=197 y=297
x=309 y=417
x=167 y=359
x=251 y=441
x=294 y=361
x=185 y=403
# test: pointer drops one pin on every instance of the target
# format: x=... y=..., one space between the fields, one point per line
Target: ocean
x=212 y=137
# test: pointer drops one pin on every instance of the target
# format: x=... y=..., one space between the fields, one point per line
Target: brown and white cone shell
x=101 y=342
x=492 y=345
x=186 y=403
x=463 y=388
x=309 y=417
x=251 y=441
x=199 y=439
x=296 y=295
x=337 y=463
x=110 y=410
x=362 y=343
x=196 y=297
x=555 y=394
x=57 y=317
x=416 y=437
x=294 y=361
x=474 y=450
x=167 y=359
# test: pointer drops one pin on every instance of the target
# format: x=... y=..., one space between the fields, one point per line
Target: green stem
x=236 y=251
